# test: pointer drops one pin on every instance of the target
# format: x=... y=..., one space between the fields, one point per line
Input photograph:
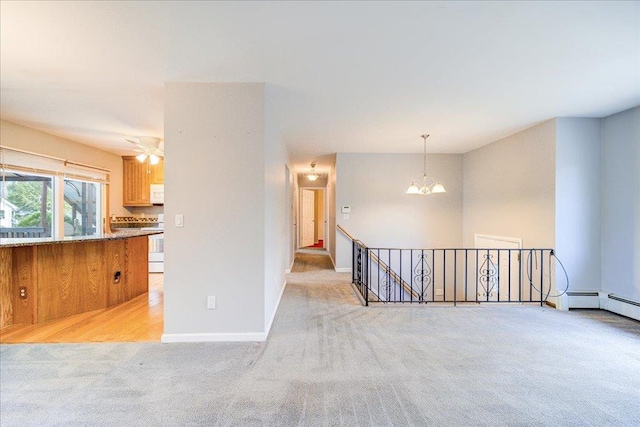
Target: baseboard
x=288 y=270
x=342 y=270
x=241 y=336
x=275 y=310
x=583 y=299
x=620 y=305
x=331 y=258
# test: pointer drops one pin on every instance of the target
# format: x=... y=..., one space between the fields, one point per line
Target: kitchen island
x=43 y=279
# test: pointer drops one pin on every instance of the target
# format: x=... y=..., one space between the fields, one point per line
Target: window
x=30 y=198
x=43 y=196
x=81 y=208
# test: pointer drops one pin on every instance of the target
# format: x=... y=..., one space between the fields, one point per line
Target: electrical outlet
x=439 y=292
x=211 y=303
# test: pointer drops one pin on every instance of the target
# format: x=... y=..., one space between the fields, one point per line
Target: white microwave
x=157 y=194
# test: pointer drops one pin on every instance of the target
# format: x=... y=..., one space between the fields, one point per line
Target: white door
x=308 y=213
x=503 y=283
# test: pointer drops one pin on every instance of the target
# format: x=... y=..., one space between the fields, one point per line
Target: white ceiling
x=342 y=76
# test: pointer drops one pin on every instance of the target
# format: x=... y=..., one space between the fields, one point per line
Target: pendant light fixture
x=312 y=176
x=426 y=185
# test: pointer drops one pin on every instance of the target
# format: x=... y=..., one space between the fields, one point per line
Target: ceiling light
x=429 y=185
x=149 y=148
x=312 y=176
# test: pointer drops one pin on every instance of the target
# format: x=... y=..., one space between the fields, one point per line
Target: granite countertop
x=124 y=234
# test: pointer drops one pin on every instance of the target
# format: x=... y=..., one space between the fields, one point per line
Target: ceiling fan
x=148 y=147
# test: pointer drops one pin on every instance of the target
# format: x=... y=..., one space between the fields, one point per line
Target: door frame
x=325 y=212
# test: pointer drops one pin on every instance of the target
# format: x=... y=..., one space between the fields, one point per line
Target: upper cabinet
x=136 y=179
x=157 y=173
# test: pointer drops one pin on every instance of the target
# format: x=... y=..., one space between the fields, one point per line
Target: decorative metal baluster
x=422 y=276
x=488 y=276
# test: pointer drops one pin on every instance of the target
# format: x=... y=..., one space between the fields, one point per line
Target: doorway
x=312 y=230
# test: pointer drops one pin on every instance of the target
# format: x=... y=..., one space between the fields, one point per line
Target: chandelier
x=427 y=184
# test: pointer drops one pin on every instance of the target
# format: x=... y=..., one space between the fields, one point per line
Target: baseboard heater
x=624 y=300
x=583 y=299
x=582 y=294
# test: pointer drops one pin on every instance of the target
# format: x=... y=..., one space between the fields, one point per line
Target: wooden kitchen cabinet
x=135 y=182
x=157 y=173
x=136 y=178
x=55 y=278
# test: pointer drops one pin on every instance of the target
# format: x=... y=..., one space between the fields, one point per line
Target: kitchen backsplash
x=119 y=222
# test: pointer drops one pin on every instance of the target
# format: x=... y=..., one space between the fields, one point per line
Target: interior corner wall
x=383 y=215
x=509 y=188
x=578 y=202
x=621 y=204
x=215 y=178
x=27 y=139
x=291 y=246
x=275 y=213
x=333 y=234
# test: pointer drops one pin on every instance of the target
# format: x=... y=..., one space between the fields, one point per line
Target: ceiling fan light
x=438 y=188
x=153 y=159
x=141 y=157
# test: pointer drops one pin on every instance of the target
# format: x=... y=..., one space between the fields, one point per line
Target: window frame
x=24 y=162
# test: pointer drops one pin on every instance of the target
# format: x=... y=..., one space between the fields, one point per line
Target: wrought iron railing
x=466 y=275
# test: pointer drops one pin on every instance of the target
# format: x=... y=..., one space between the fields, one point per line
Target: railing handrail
x=452 y=275
x=460 y=249
x=382 y=264
x=346 y=233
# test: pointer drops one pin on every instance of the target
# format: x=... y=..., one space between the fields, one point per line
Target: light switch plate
x=179 y=220
x=211 y=302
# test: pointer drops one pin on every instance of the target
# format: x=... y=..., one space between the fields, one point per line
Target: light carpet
x=331 y=361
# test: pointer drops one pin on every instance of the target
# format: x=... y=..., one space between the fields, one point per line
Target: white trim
x=275 y=310
x=331 y=258
x=214 y=337
x=342 y=270
x=288 y=270
x=498 y=238
x=583 y=299
x=619 y=307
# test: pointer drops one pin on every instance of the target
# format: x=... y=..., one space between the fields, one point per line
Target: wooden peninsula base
x=49 y=279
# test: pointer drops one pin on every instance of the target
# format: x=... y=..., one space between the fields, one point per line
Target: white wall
x=621 y=204
x=215 y=177
x=578 y=200
x=382 y=215
x=578 y=203
x=275 y=213
x=509 y=188
x=16 y=136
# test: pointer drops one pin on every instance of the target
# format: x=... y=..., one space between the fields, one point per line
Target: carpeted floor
x=311 y=260
x=331 y=361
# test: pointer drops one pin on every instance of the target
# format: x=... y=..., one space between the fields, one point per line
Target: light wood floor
x=140 y=319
